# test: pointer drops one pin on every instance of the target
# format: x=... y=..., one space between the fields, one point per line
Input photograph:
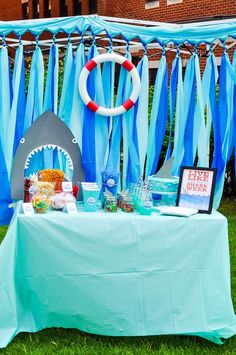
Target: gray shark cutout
x=48 y=131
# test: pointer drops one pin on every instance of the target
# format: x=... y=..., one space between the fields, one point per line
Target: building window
x=77 y=7
x=63 y=8
x=151 y=4
x=47 y=8
x=35 y=8
x=25 y=10
x=93 y=6
x=173 y=2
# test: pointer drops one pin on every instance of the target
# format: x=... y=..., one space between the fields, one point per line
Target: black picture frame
x=201 y=201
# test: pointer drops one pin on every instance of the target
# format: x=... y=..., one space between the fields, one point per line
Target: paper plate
x=177 y=211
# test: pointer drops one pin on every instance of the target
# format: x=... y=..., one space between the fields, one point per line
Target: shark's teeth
x=26 y=164
x=50 y=146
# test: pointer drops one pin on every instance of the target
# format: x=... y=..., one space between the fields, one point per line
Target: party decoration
x=91 y=193
x=83 y=84
x=48 y=130
x=110 y=181
x=196 y=188
x=192 y=119
x=163 y=185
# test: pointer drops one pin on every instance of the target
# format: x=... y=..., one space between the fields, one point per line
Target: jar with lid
x=127 y=204
x=40 y=202
x=111 y=204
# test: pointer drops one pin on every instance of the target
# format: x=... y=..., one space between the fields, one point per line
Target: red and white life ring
x=83 y=84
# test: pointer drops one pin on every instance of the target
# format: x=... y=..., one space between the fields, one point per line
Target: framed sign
x=196 y=188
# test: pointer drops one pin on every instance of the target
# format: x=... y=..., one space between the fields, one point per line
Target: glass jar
x=41 y=203
x=111 y=204
x=127 y=204
x=60 y=199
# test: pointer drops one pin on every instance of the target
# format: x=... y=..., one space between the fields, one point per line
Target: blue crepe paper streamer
x=140 y=129
x=49 y=157
x=189 y=105
x=76 y=119
x=224 y=117
x=101 y=122
x=158 y=119
x=5 y=196
x=66 y=100
x=19 y=97
x=178 y=150
x=88 y=134
x=34 y=101
x=6 y=125
x=172 y=102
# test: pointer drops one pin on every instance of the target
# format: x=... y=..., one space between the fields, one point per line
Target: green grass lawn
x=62 y=341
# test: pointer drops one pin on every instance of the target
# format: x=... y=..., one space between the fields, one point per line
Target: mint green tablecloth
x=116 y=274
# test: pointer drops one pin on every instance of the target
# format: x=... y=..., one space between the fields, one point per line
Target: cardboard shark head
x=48 y=131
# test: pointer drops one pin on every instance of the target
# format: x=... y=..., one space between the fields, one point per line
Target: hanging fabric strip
x=19 y=95
x=88 y=134
x=66 y=101
x=172 y=99
x=234 y=112
x=7 y=122
x=133 y=170
x=131 y=164
x=180 y=122
x=34 y=103
x=232 y=83
x=199 y=126
x=51 y=90
x=68 y=83
x=76 y=119
x=141 y=112
x=158 y=119
x=5 y=197
x=210 y=72
x=101 y=122
x=108 y=82
x=189 y=108
x=51 y=99
x=223 y=124
x=113 y=162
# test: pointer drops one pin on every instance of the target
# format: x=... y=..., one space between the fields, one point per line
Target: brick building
x=155 y=10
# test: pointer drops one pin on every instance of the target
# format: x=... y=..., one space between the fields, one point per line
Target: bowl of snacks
x=41 y=203
x=60 y=199
x=55 y=176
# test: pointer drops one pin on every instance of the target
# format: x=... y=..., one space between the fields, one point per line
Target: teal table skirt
x=116 y=274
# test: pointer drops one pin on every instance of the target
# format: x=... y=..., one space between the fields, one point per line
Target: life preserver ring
x=83 y=84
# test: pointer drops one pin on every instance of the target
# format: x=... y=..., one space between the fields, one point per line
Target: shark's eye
x=74 y=140
x=22 y=140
